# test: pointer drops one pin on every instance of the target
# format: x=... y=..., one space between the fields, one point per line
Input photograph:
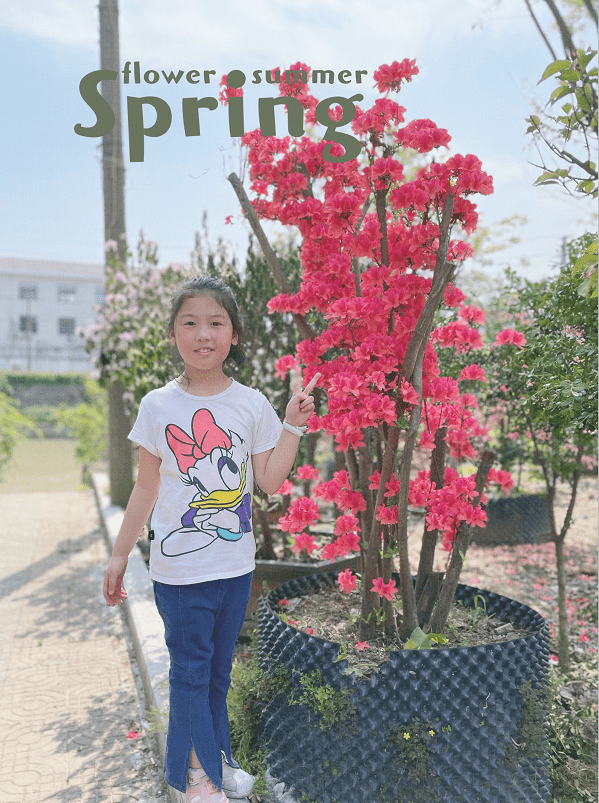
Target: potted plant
x=378 y=261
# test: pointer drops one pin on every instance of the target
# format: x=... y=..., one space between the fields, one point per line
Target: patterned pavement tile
x=68 y=689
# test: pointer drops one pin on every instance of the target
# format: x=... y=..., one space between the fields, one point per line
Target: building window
x=66 y=326
x=67 y=292
x=28 y=291
x=28 y=323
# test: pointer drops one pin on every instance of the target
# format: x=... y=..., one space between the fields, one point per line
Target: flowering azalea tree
x=378 y=260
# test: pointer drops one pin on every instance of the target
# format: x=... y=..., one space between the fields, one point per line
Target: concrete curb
x=145 y=624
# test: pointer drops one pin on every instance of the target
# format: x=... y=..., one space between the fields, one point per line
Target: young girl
x=203 y=440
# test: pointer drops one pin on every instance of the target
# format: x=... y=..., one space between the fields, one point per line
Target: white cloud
x=323 y=32
x=64 y=22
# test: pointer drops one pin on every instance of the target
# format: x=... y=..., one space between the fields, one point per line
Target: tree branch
x=272 y=260
x=441 y=276
x=592 y=12
x=540 y=30
x=563 y=29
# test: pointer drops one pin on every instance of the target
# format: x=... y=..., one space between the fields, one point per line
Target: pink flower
x=472 y=314
x=286 y=488
x=307 y=473
x=284 y=364
x=475 y=517
x=347 y=581
x=509 y=337
x=471 y=372
x=502 y=478
x=390 y=76
x=408 y=393
x=132 y=735
x=283 y=602
x=229 y=219
x=362 y=645
x=302 y=512
x=303 y=541
x=383 y=589
x=348 y=523
x=387 y=515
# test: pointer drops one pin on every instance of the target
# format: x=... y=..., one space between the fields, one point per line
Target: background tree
x=14 y=424
x=543 y=400
x=129 y=333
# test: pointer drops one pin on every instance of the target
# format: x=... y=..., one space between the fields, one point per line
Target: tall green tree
x=544 y=397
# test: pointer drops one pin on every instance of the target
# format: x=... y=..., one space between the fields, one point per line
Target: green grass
x=42 y=465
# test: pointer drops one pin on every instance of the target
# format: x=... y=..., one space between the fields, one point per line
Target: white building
x=42 y=305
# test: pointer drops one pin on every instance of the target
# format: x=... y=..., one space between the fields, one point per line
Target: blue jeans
x=201 y=624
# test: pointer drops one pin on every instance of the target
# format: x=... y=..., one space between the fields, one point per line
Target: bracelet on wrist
x=295 y=430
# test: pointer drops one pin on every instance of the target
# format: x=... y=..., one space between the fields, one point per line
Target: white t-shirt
x=203 y=516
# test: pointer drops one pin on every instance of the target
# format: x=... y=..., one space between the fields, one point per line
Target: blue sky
x=479 y=65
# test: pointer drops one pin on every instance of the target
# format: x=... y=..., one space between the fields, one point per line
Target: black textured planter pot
x=484 y=705
x=513 y=521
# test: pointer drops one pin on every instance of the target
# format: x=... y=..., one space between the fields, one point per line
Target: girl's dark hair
x=224 y=297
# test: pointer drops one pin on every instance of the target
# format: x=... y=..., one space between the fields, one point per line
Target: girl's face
x=203 y=333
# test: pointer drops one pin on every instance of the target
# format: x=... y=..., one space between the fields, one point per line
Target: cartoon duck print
x=214 y=463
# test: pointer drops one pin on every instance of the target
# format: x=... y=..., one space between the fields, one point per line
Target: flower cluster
x=128 y=334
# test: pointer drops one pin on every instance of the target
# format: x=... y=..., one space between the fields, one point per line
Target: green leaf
x=547 y=178
x=584 y=58
x=417 y=641
x=571 y=75
x=583 y=100
x=555 y=66
x=560 y=92
x=587 y=186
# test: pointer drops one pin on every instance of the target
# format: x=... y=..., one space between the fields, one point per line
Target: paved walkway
x=69 y=693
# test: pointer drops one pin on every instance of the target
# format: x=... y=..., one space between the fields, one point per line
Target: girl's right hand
x=113 y=590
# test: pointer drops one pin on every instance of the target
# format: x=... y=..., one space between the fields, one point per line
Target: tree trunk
x=272 y=260
x=373 y=545
x=458 y=553
x=120 y=450
x=266 y=549
x=563 y=647
x=558 y=540
x=430 y=537
x=410 y=615
x=113 y=183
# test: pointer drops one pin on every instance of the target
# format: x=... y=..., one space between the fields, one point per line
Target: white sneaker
x=237 y=783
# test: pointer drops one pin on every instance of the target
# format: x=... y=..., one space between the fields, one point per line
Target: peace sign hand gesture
x=301 y=405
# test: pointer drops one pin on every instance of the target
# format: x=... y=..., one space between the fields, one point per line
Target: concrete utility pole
x=113 y=182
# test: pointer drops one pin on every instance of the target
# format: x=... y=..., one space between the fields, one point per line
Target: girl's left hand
x=301 y=405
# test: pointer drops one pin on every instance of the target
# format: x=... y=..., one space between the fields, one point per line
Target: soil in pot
x=333 y=615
